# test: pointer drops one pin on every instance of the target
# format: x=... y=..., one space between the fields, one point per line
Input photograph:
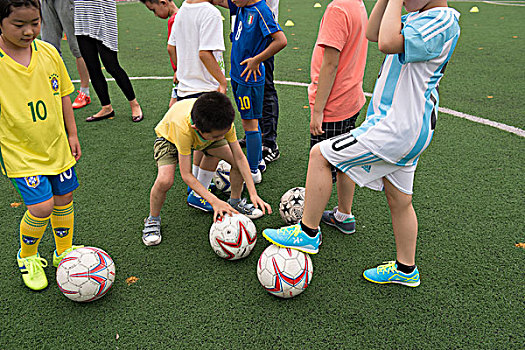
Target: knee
x=42 y=210
x=398 y=200
x=64 y=199
x=164 y=183
x=317 y=157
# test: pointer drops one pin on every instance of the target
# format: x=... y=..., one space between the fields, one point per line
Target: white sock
x=195 y=170
x=204 y=178
x=85 y=90
x=342 y=216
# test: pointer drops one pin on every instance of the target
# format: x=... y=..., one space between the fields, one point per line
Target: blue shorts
x=249 y=99
x=40 y=188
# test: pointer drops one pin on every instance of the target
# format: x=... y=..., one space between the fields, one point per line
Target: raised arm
x=374 y=22
x=390 y=40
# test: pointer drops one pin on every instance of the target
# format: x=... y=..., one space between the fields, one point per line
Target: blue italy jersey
x=251 y=35
x=402 y=113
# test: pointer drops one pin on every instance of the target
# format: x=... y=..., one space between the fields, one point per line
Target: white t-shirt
x=274 y=6
x=197 y=27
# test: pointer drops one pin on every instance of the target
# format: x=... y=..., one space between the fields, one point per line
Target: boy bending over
x=205 y=124
x=382 y=153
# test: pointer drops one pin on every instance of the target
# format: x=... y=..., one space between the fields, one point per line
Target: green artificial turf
x=469 y=197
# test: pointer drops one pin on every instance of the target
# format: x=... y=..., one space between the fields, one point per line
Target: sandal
x=137 y=118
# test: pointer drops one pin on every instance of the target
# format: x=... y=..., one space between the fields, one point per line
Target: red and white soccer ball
x=85 y=274
x=233 y=237
x=292 y=205
x=284 y=272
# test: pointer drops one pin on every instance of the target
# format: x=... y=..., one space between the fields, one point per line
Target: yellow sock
x=62 y=221
x=31 y=231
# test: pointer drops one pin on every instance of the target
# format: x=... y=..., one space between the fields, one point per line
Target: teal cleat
x=388 y=273
x=294 y=237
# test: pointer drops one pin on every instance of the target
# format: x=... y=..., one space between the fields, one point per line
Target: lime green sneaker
x=32 y=269
x=58 y=258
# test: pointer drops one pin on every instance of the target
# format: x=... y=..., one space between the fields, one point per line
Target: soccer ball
x=284 y=272
x=292 y=205
x=233 y=237
x=85 y=274
x=221 y=178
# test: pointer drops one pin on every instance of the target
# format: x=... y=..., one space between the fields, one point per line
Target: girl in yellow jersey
x=38 y=136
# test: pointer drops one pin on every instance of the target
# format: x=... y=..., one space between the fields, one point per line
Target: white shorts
x=363 y=167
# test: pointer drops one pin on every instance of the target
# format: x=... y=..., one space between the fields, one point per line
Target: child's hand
x=75 y=146
x=222 y=88
x=222 y=208
x=252 y=67
x=316 y=124
x=259 y=203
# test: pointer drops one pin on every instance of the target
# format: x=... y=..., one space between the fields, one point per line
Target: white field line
x=452 y=112
x=504 y=3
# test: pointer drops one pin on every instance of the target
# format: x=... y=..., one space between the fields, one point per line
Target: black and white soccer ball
x=292 y=205
x=221 y=178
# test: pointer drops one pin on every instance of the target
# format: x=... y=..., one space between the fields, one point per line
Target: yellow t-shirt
x=176 y=128
x=33 y=139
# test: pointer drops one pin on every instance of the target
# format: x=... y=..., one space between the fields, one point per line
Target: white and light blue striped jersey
x=402 y=113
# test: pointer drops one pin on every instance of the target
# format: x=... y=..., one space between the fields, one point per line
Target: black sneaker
x=242 y=142
x=270 y=155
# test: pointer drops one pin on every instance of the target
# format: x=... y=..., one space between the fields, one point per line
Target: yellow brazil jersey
x=176 y=128
x=33 y=139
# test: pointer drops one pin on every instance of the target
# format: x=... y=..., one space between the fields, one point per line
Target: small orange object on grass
x=131 y=280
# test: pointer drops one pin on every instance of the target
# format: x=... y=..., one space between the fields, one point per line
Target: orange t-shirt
x=342 y=27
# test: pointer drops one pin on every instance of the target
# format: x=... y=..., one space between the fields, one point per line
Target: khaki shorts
x=165 y=152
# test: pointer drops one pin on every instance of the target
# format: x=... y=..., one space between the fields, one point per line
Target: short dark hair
x=212 y=111
x=153 y=1
x=6 y=6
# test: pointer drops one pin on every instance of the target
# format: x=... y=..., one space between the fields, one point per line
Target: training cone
x=317 y=4
x=289 y=23
x=474 y=9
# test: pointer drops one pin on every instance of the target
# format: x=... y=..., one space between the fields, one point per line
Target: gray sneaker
x=247 y=209
x=151 y=233
x=347 y=226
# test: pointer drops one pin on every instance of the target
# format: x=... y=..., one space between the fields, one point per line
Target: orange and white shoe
x=82 y=100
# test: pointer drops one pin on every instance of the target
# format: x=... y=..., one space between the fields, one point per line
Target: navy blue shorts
x=39 y=188
x=249 y=100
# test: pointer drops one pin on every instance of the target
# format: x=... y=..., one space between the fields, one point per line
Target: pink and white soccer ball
x=284 y=272
x=233 y=237
x=291 y=205
x=86 y=274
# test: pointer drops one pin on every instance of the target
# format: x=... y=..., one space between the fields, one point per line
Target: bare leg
x=345 y=193
x=404 y=223
x=135 y=108
x=104 y=111
x=197 y=158
x=82 y=72
x=318 y=188
x=163 y=183
x=209 y=163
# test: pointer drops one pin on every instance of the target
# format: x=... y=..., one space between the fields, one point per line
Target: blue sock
x=253 y=148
